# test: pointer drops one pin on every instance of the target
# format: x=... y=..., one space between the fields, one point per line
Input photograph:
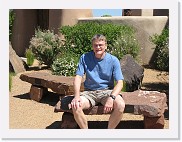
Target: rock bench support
x=37 y=92
x=150 y=104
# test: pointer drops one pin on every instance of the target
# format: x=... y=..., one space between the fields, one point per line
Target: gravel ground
x=28 y=114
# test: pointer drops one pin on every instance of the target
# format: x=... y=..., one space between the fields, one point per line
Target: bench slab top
x=58 y=84
x=148 y=103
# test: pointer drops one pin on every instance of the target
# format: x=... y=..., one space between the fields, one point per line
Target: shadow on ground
x=46 y=99
x=103 y=125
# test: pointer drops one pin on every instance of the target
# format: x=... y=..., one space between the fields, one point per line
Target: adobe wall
x=145 y=26
x=23 y=29
x=63 y=17
x=26 y=21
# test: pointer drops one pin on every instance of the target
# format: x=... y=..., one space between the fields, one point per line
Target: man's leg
x=79 y=115
x=117 y=113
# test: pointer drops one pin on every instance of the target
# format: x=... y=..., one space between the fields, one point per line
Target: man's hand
x=109 y=105
x=75 y=103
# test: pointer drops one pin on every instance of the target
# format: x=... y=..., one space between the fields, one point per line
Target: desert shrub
x=78 y=37
x=11 y=20
x=46 y=46
x=125 y=44
x=162 y=49
x=65 y=65
x=30 y=57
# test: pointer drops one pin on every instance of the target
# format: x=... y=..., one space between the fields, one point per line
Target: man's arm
x=76 y=102
x=116 y=91
x=77 y=85
x=118 y=87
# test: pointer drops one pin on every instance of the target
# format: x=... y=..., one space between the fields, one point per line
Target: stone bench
x=150 y=104
x=41 y=81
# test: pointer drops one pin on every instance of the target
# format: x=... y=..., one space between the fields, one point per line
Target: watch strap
x=113 y=97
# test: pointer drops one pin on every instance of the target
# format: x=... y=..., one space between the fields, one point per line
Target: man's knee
x=120 y=105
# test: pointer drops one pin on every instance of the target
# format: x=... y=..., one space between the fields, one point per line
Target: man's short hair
x=99 y=37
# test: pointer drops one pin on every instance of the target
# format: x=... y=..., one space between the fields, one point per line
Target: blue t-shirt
x=100 y=73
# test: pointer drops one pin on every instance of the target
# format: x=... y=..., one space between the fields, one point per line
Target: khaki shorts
x=98 y=96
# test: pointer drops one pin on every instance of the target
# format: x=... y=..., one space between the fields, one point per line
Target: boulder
x=15 y=63
x=133 y=73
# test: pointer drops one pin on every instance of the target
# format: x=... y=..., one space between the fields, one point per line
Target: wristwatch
x=113 y=97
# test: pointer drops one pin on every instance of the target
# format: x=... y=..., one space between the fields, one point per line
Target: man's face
x=99 y=48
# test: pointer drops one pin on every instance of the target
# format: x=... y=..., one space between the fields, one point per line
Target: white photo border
x=164 y=134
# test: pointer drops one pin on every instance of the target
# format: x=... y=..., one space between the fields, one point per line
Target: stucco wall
x=26 y=21
x=145 y=26
x=23 y=29
x=63 y=17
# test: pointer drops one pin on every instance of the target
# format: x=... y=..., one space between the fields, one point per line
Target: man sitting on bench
x=101 y=69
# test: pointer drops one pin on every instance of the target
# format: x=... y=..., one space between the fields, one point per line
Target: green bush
x=78 y=37
x=65 y=65
x=11 y=20
x=162 y=49
x=30 y=57
x=125 y=44
x=46 y=46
